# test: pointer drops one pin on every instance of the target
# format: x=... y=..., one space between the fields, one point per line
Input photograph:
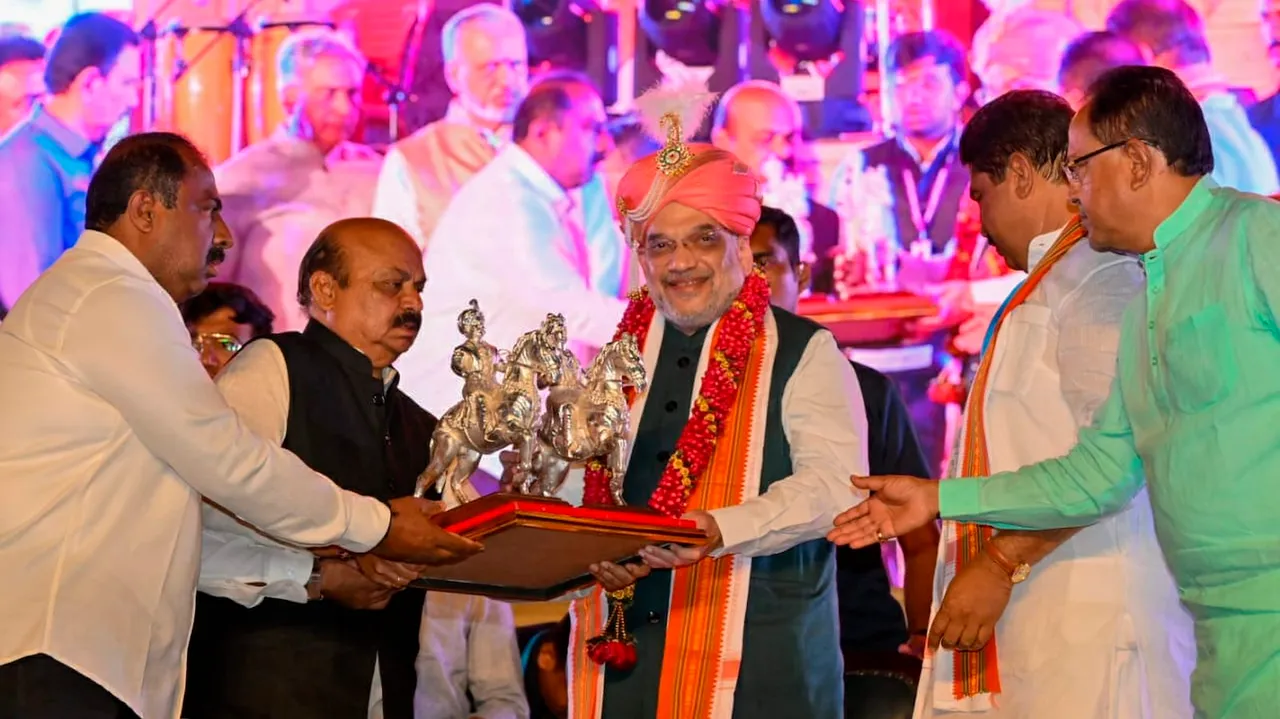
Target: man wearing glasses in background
x=222 y=320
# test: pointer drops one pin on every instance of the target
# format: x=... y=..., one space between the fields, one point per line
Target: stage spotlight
x=808 y=30
x=686 y=30
x=814 y=50
x=572 y=35
x=700 y=37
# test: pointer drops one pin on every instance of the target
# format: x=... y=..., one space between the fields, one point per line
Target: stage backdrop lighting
x=572 y=35
x=707 y=35
x=807 y=29
x=822 y=41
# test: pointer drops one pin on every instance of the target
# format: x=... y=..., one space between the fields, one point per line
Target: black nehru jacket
x=316 y=660
x=871 y=620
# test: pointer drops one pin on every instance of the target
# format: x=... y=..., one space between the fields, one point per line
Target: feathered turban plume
x=693 y=174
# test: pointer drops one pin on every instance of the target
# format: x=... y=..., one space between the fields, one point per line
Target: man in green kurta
x=1196 y=398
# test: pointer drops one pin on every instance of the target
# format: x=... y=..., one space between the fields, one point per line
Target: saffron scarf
x=703 y=646
x=976 y=677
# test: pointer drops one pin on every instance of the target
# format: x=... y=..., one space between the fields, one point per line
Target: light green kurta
x=1196 y=406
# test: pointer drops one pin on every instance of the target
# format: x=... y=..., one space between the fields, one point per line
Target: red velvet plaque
x=538 y=549
x=867 y=318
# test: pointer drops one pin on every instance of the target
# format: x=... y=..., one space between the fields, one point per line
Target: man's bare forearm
x=920 y=555
x=1028 y=547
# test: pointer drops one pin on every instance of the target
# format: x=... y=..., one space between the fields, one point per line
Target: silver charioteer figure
x=588 y=417
x=492 y=414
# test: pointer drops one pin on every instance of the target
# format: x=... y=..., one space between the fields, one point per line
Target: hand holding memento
x=342 y=581
x=386 y=573
x=414 y=537
x=616 y=577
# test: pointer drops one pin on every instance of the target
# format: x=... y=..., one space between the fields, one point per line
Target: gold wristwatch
x=1018 y=573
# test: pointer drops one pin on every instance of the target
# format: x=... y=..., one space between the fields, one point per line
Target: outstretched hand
x=896 y=506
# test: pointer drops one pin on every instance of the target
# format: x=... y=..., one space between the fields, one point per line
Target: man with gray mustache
x=279 y=631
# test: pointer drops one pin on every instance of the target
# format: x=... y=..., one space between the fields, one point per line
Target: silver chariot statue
x=583 y=416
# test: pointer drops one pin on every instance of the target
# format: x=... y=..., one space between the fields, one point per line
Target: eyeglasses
x=215 y=342
x=1071 y=170
x=765 y=261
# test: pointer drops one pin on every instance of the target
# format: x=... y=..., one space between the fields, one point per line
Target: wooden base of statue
x=867 y=319
x=537 y=549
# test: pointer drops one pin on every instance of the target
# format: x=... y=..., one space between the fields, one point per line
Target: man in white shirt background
x=1086 y=622
x=487 y=69
x=515 y=239
x=99 y=517
x=280 y=192
x=468 y=658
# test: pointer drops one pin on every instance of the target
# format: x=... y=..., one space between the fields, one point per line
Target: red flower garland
x=731 y=348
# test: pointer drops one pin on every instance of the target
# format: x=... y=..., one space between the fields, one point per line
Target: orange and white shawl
x=703 y=651
x=969 y=681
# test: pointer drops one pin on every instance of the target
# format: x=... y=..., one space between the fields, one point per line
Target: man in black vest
x=926 y=74
x=877 y=644
x=309 y=646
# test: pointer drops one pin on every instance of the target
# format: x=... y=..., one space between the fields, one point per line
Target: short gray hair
x=304 y=47
x=480 y=12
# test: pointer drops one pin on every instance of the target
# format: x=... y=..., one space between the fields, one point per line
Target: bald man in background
x=756 y=121
x=279 y=631
x=21 y=78
x=487 y=69
x=1088 y=57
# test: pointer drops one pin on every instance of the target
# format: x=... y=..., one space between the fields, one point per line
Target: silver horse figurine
x=589 y=418
x=491 y=415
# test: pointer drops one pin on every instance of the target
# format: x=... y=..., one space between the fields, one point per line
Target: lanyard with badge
x=922 y=220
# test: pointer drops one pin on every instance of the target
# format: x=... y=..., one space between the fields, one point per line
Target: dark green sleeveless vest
x=791 y=665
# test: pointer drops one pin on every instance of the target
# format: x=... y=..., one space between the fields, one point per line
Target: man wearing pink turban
x=751 y=425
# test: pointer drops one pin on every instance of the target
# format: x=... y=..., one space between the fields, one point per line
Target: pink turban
x=713 y=181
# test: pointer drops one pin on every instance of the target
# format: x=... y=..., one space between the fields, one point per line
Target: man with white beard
x=486 y=67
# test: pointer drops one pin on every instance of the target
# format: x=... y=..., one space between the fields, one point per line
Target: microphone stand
x=148 y=34
x=395 y=92
x=394 y=96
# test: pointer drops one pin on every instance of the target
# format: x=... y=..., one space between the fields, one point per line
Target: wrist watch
x=1018 y=573
x=313 y=584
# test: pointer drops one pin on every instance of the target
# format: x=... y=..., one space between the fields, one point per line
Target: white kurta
x=110 y=432
x=1096 y=631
